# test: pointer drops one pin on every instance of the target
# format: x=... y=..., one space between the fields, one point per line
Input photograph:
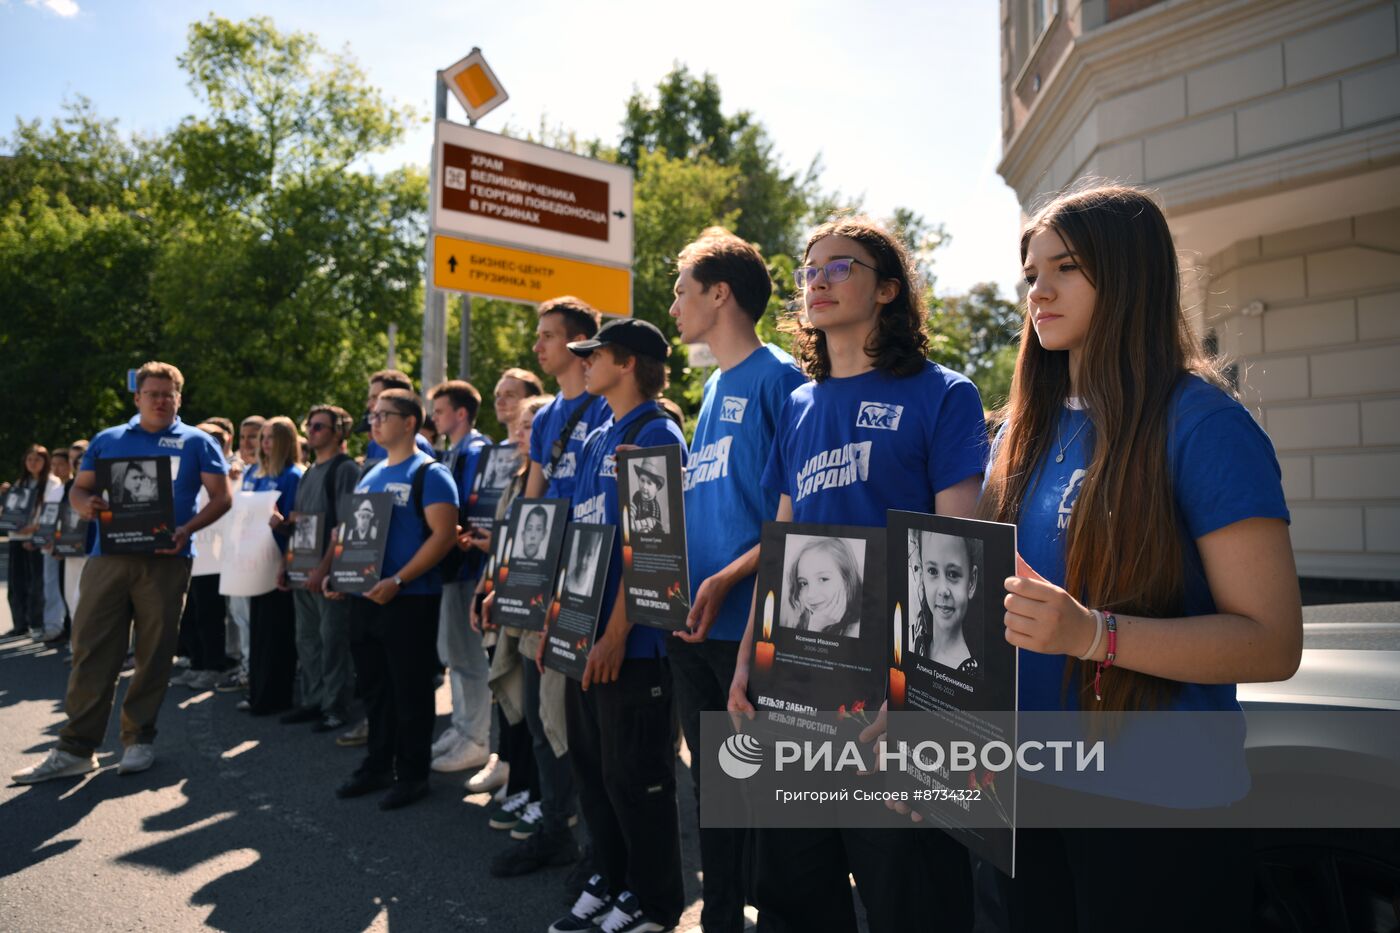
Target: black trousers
x=620 y=742
x=908 y=879
x=272 y=652
x=395 y=652
x=26 y=588
x=515 y=747
x=702 y=673
x=202 y=624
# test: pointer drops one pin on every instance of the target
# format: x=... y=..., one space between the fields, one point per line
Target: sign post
x=516 y=220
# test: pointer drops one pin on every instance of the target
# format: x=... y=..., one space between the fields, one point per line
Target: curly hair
x=898 y=344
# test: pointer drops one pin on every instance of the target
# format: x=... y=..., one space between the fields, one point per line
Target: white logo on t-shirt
x=1076 y=480
x=565 y=467
x=178 y=443
x=840 y=466
x=609 y=467
x=400 y=491
x=879 y=415
x=580 y=432
x=732 y=409
x=712 y=462
x=590 y=510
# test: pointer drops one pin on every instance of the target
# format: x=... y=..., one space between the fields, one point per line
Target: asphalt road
x=237 y=828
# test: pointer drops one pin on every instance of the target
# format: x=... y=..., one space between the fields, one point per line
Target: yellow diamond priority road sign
x=475 y=85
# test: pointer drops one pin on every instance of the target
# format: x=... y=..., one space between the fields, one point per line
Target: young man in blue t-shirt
x=619 y=716
x=467 y=741
x=556 y=443
x=142 y=594
x=722 y=290
x=394 y=625
x=879 y=427
x=378 y=382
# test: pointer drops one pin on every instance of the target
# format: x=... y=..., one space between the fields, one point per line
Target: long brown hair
x=286 y=446
x=898 y=344
x=1123 y=550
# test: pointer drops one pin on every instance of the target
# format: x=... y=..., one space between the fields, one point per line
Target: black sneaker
x=361 y=783
x=591 y=904
x=298 y=716
x=541 y=850
x=626 y=916
x=403 y=793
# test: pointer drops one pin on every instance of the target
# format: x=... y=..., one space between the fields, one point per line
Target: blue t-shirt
x=1223 y=471
x=848 y=449
x=406 y=532
x=285 y=484
x=191 y=451
x=595 y=503
x=460 y=461
x=724 y=508
x=545 y=429
x=374 y=453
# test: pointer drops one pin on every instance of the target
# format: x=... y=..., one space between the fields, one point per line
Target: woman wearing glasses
x=879 y=427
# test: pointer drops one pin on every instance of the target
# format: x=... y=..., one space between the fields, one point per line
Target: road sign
x=520 y=194
x=523 y=275
x=131 y=379
x=474 y=85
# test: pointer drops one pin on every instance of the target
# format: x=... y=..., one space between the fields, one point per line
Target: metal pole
x=393 y=360
x=434 y=361
x=464 y=341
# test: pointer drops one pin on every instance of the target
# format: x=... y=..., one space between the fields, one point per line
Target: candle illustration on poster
x=763 y=650
x=558 y=596
x=896 y=672
x=626 y=538
x=505 y=556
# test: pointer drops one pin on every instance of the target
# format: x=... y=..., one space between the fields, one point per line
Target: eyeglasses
x=316 y=426
x=160 y=396
x=375 y=417
x=838 y=270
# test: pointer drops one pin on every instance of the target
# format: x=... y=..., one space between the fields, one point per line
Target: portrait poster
x=655 y=572
x=70 y=537
x=47 y=524
x=18 y=507
x=527 y=575
x=358 y=558
x=578 y=597
x=819 y=639
x=496 y=466
x=494 y=557
x=952 y=673
x=140 y=514
x=250 y=558
x=304 y=551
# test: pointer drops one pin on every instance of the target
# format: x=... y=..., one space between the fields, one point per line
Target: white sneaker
x=181 y=677
x=137 y=758
x=462 y=756
x=57 y=764
x=496 y=774
x=449 y=738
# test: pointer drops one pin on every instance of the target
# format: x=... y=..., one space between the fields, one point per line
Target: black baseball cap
x=641 y=337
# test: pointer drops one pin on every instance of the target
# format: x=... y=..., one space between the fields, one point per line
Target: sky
x=899 y=100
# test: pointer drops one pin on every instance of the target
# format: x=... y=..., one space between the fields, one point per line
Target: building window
x=1041 y=13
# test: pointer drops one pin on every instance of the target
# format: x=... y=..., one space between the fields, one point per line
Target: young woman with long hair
x=26 y=578
x=879 y=427
x=272 y=661
x=1157 y=570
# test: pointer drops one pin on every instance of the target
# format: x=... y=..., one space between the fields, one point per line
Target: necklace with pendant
x=1060 y=457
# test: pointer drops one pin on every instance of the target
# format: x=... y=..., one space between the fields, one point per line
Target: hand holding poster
x=140 y=514
x=305 y=552
x=47 y=524
x=359 y=550
x=251 y=557
x=70 y=537
x=496 y=466
x=18 y=507
x=578 y=598
x=819 y=641
x=536 y=537
x=949 y=659
x=655 y=575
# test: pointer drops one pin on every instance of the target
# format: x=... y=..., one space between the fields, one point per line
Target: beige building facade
x=1270 y=129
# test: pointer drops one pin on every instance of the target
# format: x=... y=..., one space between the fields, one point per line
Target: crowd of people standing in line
x=1143 y=490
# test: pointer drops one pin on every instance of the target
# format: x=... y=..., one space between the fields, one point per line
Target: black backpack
x=451 y=565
